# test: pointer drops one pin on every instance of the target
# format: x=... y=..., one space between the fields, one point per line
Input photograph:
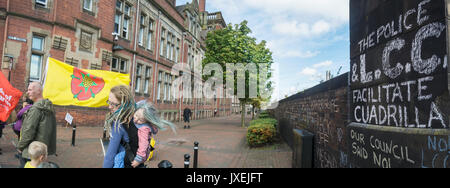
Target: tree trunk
x=243 y=114
x=253 y=112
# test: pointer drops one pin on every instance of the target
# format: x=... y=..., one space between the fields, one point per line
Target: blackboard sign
x=398 y=63
x=371 y=147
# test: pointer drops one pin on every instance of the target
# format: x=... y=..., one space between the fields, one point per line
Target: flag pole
x=45 y=72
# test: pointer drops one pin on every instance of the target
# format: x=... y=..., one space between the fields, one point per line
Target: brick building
x=143 y=38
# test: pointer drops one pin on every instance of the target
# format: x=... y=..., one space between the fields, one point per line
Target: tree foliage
x=234 y=45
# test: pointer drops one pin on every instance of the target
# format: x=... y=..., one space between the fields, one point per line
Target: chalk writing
x=439 y=147
x=393 y=73
x=427 y=66
x=378 y=151
x=400 y=88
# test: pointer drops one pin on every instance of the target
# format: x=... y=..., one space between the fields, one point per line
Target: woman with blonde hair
x=122 y=107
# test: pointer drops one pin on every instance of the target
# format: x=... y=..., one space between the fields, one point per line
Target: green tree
x=234 y=45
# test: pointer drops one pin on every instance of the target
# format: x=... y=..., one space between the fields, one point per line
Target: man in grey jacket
x=39 y=123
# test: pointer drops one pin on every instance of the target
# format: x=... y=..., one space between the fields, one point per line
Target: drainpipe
x=157 y=53
x=183 y=38
x=133 y=65
x=5 y=34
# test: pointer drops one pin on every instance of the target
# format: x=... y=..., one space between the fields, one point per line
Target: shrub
x=264 y=115
x=261 y=132
x=270 y=121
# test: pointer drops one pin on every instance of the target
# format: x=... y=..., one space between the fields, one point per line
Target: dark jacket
x=187 y=113
x=39 y=124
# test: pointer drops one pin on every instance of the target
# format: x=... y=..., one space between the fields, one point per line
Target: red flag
x=9 y=98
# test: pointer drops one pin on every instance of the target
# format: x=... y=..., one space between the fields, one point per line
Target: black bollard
x=104 y=133
x=186 y=160
x=73 y=134
x=195 y=154
x=165 y=164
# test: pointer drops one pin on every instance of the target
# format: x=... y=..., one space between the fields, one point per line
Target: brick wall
x=68 y=20
x=321 y=110
x=373 y=128
x=90 y=117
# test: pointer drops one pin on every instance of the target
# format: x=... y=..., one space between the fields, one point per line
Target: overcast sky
x=307 y=37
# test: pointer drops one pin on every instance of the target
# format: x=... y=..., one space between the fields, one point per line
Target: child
x=38 y=154
x=147 y=121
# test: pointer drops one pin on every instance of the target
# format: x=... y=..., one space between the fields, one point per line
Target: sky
x=307 y=37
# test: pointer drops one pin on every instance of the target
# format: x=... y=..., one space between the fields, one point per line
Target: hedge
x=261 y=132
x=264 y=115
x=270 y=121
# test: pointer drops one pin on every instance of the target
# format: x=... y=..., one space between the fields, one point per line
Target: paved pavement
x=222 y=145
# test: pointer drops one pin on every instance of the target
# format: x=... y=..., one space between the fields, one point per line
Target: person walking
x=39 y=124
x=187 y=113
x=117 y=122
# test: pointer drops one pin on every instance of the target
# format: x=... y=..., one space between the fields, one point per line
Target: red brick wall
x=170 y=9
x=90 y=117
x=60 y=19
x=322 y=111
x=2 y=34
x=20 y=27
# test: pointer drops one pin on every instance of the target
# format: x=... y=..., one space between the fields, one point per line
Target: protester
x=39 y=123
x=121 y=106
x=38 y=154
x=147 y=121
x=187 y=113
x=27 y=103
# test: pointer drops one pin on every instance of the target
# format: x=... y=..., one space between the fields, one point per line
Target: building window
x=168 y=45
x=158 y=94
x=37 y=56
x=177 y=52
x=148 y=73
x=35 y=67
x=142 y=29
x=126 y=22
x=172 y=48
x=119 y=5
x=87 y=5
x=127 y=10
x=137 y=85
x=141 y=36
x=166 y=87
x=119 y=65
x=37 y=43
x=163 y=42
x=150 y=35
x=117 y=21
x=42 y=3
x=189 y=61
x=171 y=98
x=122 y=19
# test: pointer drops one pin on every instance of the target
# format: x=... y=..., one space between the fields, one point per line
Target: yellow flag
x=66 y=85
